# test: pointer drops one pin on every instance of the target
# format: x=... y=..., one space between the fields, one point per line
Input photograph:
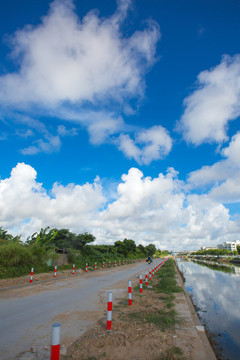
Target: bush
x=17 y=260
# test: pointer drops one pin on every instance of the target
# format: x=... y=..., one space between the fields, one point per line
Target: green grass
x=162 y=319
x=172 y=354
x=166 y=279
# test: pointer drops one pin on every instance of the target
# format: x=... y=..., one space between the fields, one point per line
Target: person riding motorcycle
x=149 y=260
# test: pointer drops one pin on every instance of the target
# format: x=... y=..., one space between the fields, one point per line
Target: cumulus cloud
x=222 y=178
x=29 y=203
x=150 y=144
x=74 y=69
x=66 y=59
x=147 y=210
x=213 y=104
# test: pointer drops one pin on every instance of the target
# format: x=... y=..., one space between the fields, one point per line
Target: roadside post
x=129 y=292
x=55 y=271
x=146 y=278
x=109 y=311
x=31 y=276
x=140 y=282
x=55 y=345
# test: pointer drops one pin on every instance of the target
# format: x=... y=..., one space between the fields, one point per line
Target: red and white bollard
x=31 y=276
x=129 y=292
x=86 y=267
x=150 y=275
x=103 y=265
x=119 y=263
x=153 y=272
x=140 y=282
x=73 y=270
x=146 y=278
x=95 y=268
x=55 y=347
x=55 y=271
x=109 y=311
x=115 y=263
x=109 y=263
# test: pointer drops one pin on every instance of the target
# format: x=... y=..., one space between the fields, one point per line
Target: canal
x=215 y=292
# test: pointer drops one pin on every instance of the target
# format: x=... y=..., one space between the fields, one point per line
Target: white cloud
x=222 y=178
x=150 y=144
x=145 y=209
x=63 y=131
x=65 y=59
x=214 y=103
x=72 y=206
x=73 y=69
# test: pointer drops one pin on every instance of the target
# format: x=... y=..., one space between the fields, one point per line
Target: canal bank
x=196 y=338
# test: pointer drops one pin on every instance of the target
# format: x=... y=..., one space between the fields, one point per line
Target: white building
x=229 y=245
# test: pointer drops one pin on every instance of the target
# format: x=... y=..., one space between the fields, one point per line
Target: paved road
x=27 y=314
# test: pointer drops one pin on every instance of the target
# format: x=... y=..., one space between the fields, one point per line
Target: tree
x=5 y=237
x=120 y=248
x=43 y=238
x=129 y=247
x=238 y=249
x=64 y=239
x=81 y=240
x=150 y=249
x=4 y=234
x=158 y=253
x=142 y=249
x=125 y=247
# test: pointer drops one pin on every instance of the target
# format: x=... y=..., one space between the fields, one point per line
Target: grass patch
x=173 y=353
x=166 y=279
x=161 y=318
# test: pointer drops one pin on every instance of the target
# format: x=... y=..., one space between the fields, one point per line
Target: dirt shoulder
x=147 y=329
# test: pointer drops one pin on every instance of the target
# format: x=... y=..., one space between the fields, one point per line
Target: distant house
x=229 y=245
x=208 y=248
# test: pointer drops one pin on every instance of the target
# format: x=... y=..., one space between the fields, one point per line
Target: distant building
x=229 y=245
x=208 y=248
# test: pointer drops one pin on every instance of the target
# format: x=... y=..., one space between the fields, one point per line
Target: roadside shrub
x=17 y=260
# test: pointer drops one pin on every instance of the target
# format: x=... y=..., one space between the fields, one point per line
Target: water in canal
x=216 y=295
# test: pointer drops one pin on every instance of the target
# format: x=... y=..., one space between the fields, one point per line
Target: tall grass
x=17 y=260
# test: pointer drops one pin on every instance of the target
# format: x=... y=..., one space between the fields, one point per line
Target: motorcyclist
x=149 y=260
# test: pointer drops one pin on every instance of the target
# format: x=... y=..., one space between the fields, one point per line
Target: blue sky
x=121 y=119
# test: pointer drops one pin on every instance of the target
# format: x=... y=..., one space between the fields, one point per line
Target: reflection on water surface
x=216 y=296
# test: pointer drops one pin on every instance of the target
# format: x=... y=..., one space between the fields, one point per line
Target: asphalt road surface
x=27 y=313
